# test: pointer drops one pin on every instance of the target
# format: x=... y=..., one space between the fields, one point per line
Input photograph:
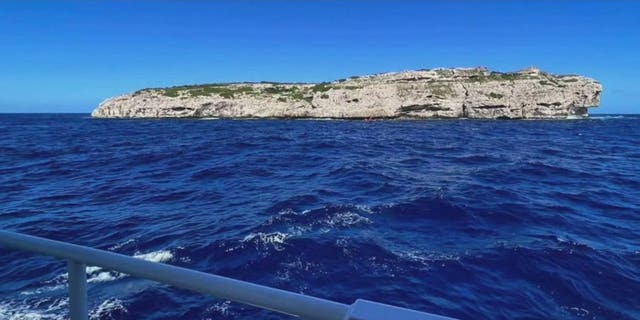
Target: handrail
x=306 y=307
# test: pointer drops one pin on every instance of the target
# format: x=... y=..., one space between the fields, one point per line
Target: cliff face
x=438 y=93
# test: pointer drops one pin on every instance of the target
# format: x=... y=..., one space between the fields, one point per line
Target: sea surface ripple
x=470 y=219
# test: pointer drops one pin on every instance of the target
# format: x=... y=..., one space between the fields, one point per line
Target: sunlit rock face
x=437 y=93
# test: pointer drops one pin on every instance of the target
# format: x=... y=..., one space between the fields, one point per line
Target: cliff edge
x=436 y=93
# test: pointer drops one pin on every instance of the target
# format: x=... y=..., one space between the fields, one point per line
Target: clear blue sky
x=68 y=56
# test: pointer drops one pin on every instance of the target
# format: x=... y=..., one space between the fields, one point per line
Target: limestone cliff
x=437 y=93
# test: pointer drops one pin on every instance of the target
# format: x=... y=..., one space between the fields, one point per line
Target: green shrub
x=280 y=90
x=223 y=90
x=498 y=76
x=171 y=92
x=321 y=87
x=296 y=95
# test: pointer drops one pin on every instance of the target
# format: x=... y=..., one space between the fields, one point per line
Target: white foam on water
x=56 y=309
x=220 y=308
x=92 y=269
x=338 y=220
x=426 y=257
x=274 y=239
x=364 y=208
x=577 y=311
x=97 y=274
x=121 y=244
x=298 y=230
x=345 y=219
x=42 y=290
x=14 y=310
x=106 y=308
x=105 y=277
x=155 y=256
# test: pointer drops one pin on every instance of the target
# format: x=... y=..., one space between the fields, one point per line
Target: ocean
x=474 y=219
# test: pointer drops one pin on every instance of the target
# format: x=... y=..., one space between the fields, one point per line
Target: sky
x=68 y=56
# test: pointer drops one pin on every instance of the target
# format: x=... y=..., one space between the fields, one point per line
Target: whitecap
x=577 y=311
x=274 y=239
x=155 y=256
x=345 y=219
x=98 y=274
x=221 y=308
x=364 y=208
x=426 y=257
x=106 y=308
x=43 y=290
x=105 y=276
x=121 y=244
x=92 y=269
x=54 y=310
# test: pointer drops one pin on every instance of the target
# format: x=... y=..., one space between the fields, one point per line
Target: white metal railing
x=298 y=305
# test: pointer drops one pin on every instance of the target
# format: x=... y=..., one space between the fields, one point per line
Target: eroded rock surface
x=437 y=93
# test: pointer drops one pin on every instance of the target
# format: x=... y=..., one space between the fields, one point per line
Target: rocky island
x=436 y=93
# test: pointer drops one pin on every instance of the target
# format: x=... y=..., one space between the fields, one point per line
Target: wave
x=21 y=310
x=97 y=274
x=222 y=308
x=56 y=309
x=274 y=239
x=155 y=256
x=472 y=219
x=289 y=223
x=108 y=309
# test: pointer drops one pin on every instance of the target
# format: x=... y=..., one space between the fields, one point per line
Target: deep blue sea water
x=470 y=219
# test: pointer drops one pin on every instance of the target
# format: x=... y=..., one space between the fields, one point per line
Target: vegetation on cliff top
x=305 y=91
x=283 y=91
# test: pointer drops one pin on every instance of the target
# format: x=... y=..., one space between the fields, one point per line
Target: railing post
x=77 y=290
